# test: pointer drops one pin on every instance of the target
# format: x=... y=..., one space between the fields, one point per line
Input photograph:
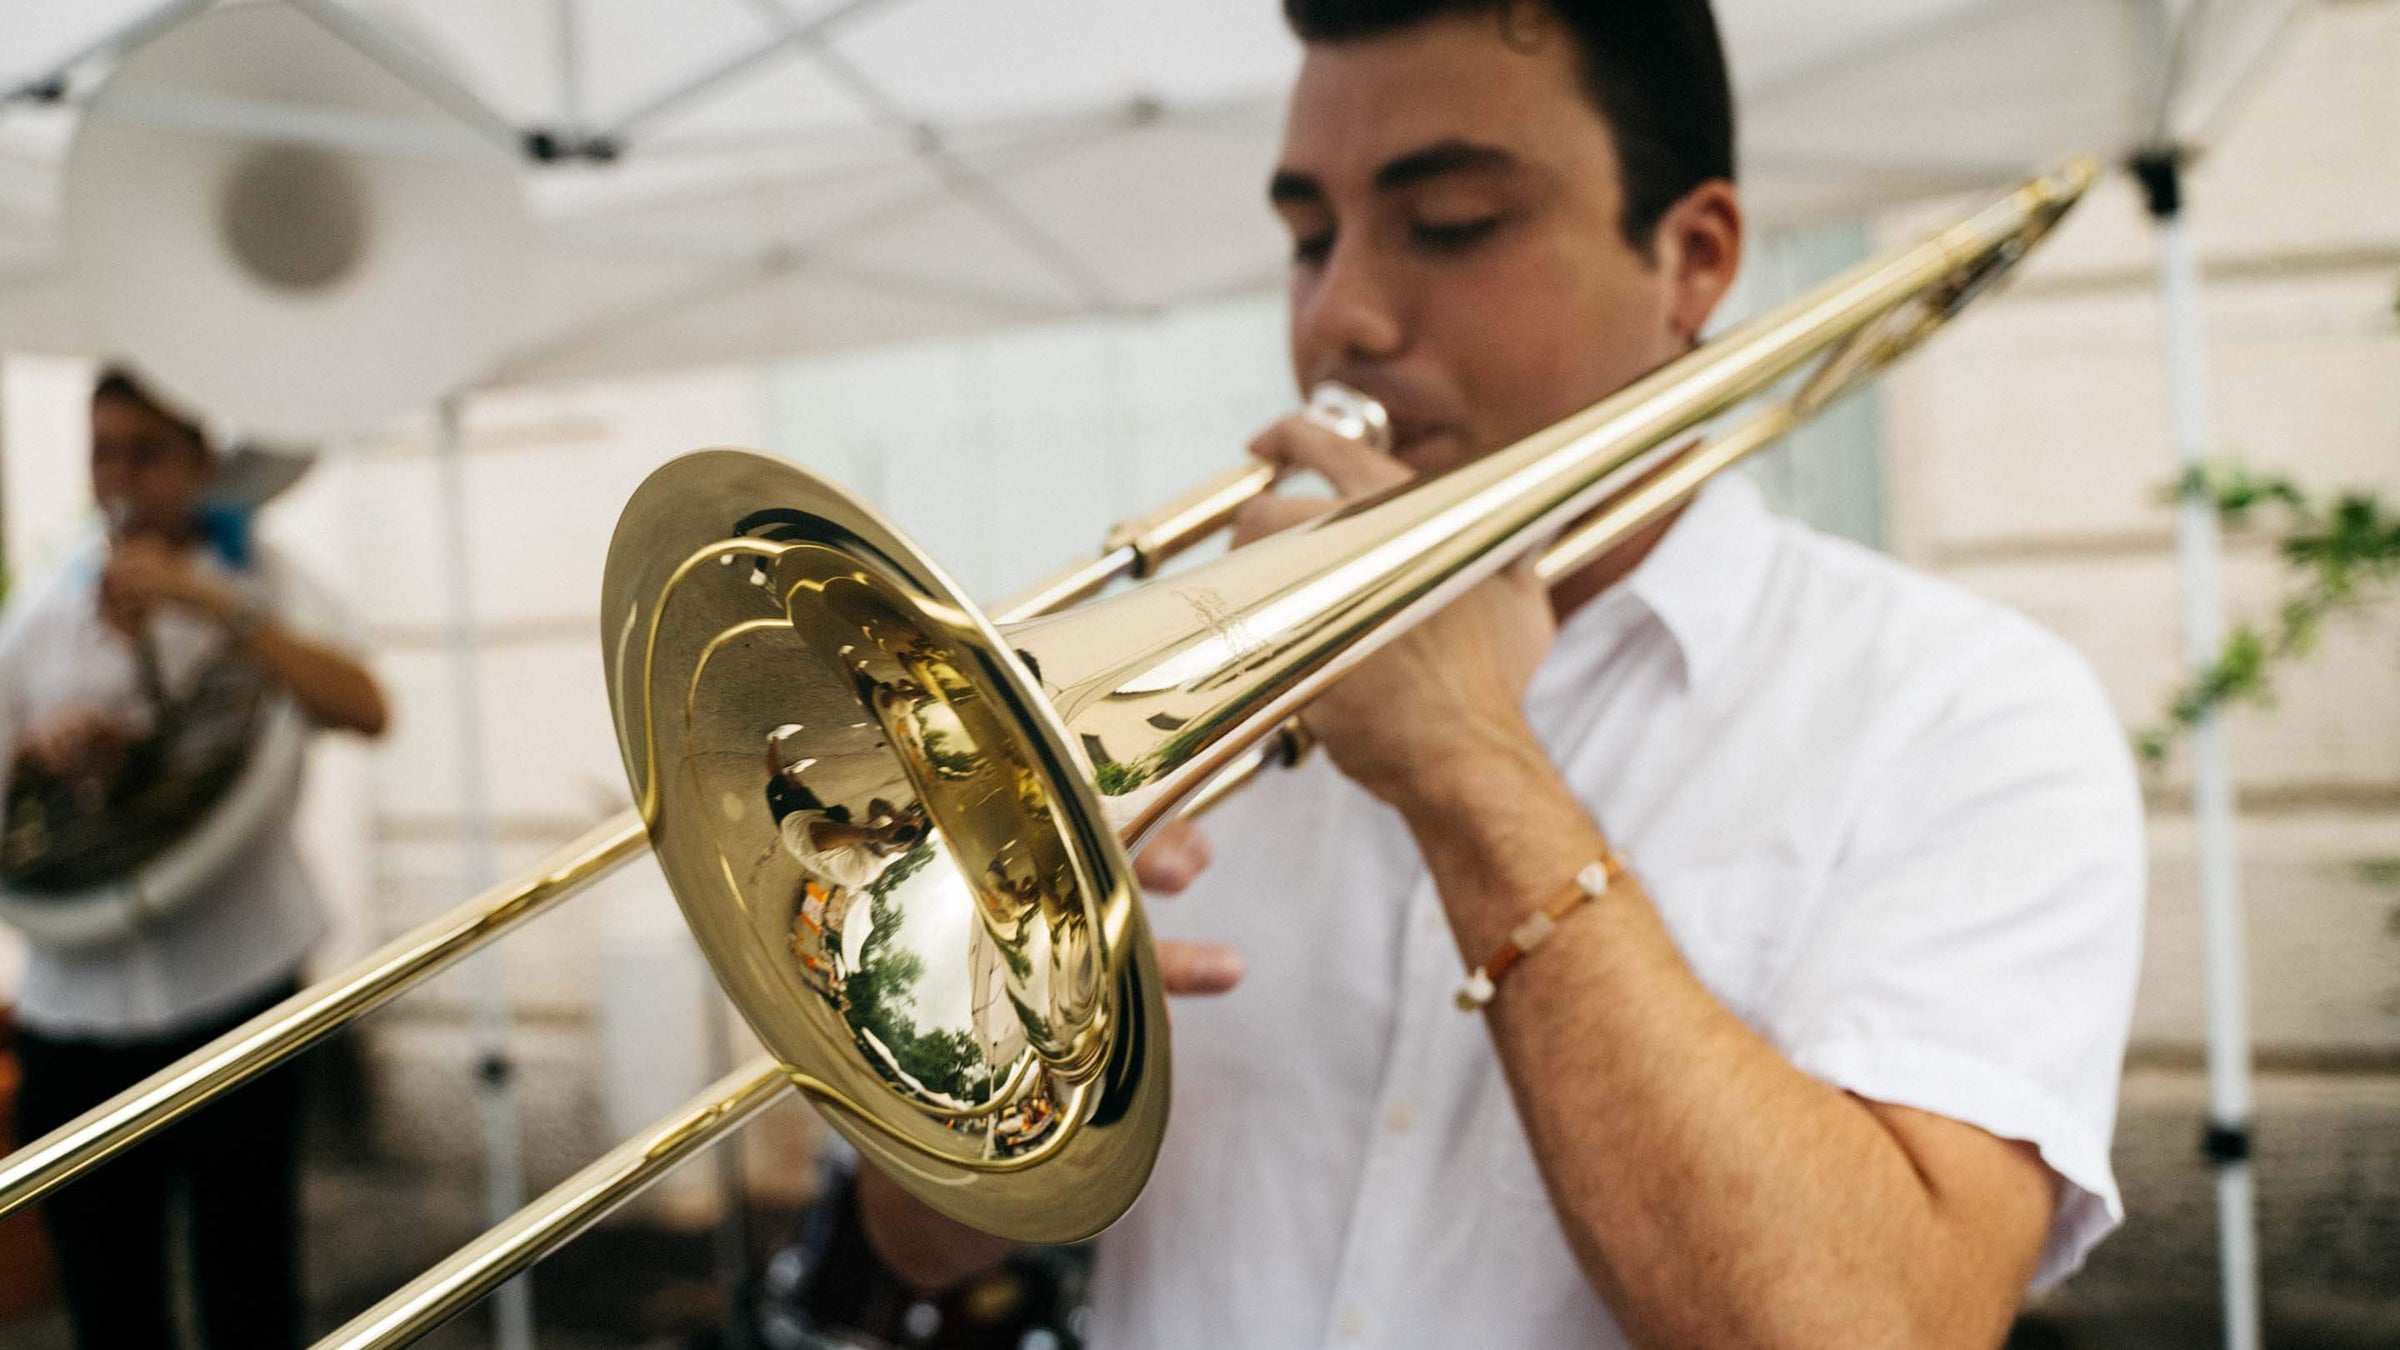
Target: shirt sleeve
x=1979 y=942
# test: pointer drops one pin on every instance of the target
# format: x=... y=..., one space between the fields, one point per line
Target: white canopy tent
x=724 y=180
x=797 y=175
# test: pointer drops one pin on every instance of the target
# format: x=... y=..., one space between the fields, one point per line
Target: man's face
x=147 y=473
x=1453 y=201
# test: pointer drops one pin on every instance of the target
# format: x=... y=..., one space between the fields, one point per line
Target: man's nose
x=1349 y=312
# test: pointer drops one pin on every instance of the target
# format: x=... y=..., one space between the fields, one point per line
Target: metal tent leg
x=2227 y=1138
x=495 y=1068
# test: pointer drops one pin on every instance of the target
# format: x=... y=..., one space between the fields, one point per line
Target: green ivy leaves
x=2345 y=551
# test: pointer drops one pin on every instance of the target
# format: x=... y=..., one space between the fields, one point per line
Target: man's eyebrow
x=1291 y=188
x=1439 y=159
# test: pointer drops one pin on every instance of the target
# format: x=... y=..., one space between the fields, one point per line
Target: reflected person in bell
x=133 y=683
x=1733 y=945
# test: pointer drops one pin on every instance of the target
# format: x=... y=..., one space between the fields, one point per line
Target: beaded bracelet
x=1590 y=884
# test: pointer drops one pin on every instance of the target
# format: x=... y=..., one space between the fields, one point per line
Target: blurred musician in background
x=1797 y=897
x=133 y=674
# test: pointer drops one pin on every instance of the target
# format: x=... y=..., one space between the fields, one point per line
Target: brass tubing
x=1076 y=581
x=1646 y=500
x=306 y=1017
x=562 y=1212
x=1198 y=514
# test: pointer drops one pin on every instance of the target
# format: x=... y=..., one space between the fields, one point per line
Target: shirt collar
x=1702 y=579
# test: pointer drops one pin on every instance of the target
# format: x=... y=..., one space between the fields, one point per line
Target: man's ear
x=1699 y=247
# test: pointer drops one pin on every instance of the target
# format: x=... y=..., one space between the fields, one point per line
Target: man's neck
x=1587 y=582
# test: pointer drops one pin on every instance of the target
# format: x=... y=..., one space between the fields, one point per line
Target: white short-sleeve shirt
x=1893 y=827
x=256 y=924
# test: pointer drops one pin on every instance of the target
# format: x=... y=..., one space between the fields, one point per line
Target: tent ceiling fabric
x=798 y=175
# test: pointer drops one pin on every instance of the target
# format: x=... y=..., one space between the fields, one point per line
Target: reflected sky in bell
x=937 y=914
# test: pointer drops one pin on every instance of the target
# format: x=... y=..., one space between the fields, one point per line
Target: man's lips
x=1423 y=445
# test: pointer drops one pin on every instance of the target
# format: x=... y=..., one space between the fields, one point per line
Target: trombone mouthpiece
x=1346 y=412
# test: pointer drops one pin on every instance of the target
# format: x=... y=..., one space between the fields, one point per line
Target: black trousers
x=238 y=1161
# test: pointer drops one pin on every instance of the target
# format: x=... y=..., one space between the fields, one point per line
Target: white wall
x=2030 y=451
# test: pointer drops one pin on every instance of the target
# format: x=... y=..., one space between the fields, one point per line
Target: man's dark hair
x=1654 y=69
x=117 y=382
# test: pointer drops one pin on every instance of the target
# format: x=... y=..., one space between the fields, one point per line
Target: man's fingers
x=1167 y=864
x=1298 y=444
x=1173 y=858
x=1270 y=514
x=1354 y=468
x=1198 y=967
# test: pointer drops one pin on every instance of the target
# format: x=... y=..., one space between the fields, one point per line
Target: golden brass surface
x=945 y=951
x=941 y=944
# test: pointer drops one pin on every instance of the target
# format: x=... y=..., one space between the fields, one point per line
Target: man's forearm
x=331 y=686
x=1714 y=1194
x=924 y=1248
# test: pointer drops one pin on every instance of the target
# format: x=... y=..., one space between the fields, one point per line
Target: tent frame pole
x=613 y=135
x=2199 y=554
x=495 y=1066
x=52 y=85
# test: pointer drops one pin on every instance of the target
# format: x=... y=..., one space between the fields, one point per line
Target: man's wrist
x=1468 y=771
x=1501 y=831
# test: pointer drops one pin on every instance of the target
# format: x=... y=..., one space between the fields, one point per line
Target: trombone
x=973 y=783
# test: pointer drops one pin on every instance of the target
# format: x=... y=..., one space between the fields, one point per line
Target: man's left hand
x=1445 y=692
x=143 y=573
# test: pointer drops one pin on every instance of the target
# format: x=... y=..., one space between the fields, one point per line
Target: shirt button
x=1400 y=1119
x=1354 y=1322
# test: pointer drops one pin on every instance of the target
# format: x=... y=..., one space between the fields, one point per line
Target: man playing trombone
x=1793 y=898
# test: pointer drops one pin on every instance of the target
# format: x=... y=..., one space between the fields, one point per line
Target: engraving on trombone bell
x=1222 y=619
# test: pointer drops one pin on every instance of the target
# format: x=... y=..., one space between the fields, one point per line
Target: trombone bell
x=886 y=846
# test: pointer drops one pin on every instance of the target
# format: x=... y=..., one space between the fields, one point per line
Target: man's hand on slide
x=1174 y=856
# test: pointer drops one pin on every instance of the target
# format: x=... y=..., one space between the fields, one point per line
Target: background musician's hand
x=78 y=742
x=1451 y=688
x=144 y=572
